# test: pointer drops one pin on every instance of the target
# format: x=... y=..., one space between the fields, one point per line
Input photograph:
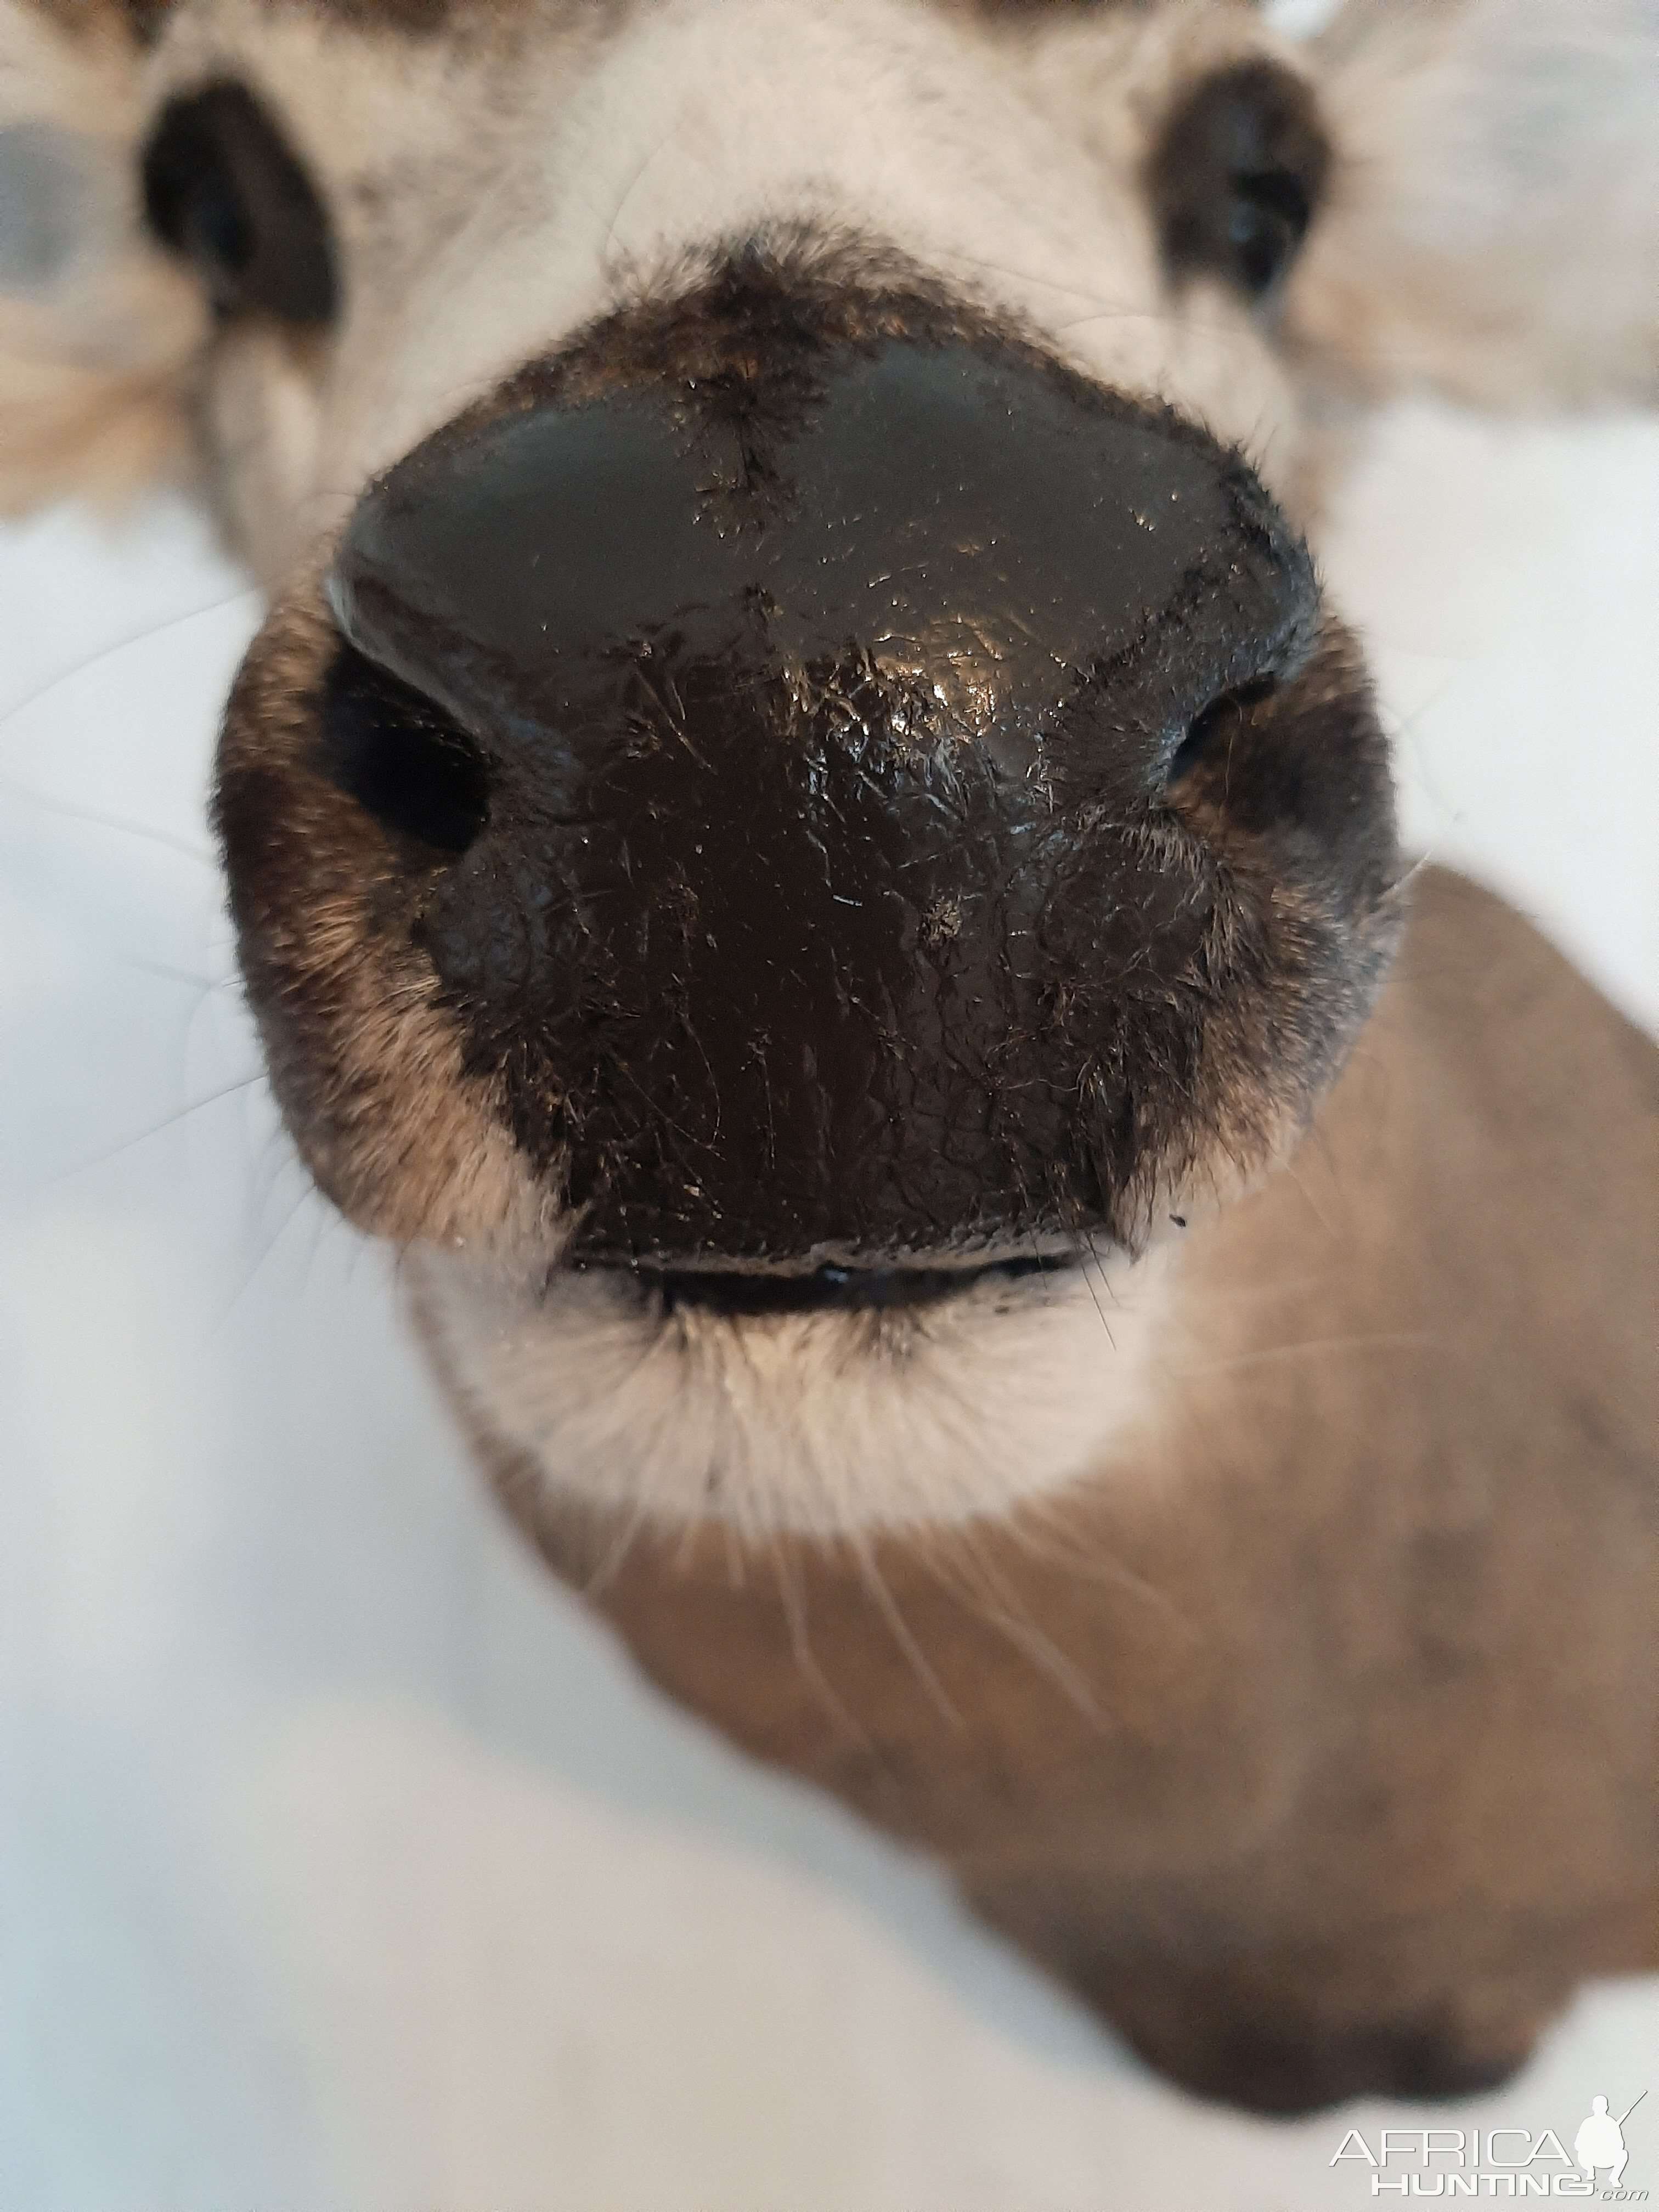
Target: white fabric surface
x=344 y=1863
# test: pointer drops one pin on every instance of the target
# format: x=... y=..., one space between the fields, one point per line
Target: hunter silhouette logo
x=1504 y=2161
x=1600 y=2142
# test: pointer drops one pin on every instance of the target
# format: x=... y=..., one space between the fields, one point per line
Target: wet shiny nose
x=972 y=529
x=752 y=730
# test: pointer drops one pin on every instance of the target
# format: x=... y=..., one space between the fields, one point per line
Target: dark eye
x=1238 y=175
x=223 y=189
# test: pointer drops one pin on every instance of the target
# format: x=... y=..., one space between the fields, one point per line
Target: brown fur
x=93 y=371
x=1516 y=220
x=413 y=1148
x=1311 y=1745
x=1309 y=1751
x=80 y=431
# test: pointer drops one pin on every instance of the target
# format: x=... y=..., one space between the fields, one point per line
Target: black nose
x=784 y=746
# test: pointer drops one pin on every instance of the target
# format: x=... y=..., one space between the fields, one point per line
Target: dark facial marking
x=223 y=190
x=1237 y=175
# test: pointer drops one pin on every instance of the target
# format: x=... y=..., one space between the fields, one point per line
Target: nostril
x=400 y=756
x=1210 y=731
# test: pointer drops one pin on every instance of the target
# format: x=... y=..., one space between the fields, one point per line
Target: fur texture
x=1308 y=1735
x=1214 y=1609
x=100 y=332
x=1513 y=258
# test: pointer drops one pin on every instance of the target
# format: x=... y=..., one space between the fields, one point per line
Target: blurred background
x=344 y=1865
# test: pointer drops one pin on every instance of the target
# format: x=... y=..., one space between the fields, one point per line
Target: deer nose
x=746 y=726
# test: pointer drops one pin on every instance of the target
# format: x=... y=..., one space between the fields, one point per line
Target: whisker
x=181 y=975
x=275 y=1156
x=1231 y=1294
x=685 y=1550
x=1079 y=1246
x=1379 y=1341
x=873 y=1580
x=616 y=1551
x=1293 y=1175
x=144 y=1136
x=1001 y=1608
x=268 y=1248
x=121 y=824
x=628 y=191
x=122 y=644
x=1107 y=304
x=1045 y=1530
x=793 y=1602
x=735 y=1578
x=328 y=1221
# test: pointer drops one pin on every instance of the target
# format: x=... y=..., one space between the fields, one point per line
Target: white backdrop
x=344 y=1863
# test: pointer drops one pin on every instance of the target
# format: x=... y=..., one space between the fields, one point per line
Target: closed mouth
x=825 y=1290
